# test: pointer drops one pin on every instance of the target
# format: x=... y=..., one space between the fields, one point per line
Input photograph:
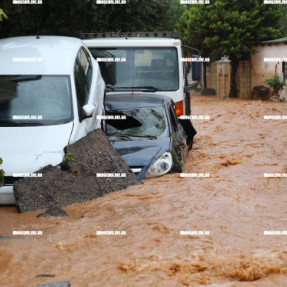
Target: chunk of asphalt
x=9 y=238
x=54 y=211
x=92 y=155
x=56 y=284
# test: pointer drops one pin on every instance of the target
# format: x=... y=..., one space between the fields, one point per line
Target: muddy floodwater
x=235 y=205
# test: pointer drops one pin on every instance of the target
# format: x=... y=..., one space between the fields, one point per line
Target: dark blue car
x=146 y=132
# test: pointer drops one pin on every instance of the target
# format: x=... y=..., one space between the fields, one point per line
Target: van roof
x=50 y=55
x=132 y=42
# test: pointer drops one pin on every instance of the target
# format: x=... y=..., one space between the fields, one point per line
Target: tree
x=136 y=15
x=194 y=28
x=173 y=15
x=70 y=17
x=232 y=27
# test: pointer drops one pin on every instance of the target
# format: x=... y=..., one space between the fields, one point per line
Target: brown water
x=236 y=205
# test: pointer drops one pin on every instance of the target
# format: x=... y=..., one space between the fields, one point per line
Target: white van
x=147 y=62
x=51 y=92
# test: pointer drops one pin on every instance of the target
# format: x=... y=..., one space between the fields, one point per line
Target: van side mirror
x=196 y=66
x=88 y=110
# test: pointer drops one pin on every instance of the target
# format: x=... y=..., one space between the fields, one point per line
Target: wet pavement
x=235 y=205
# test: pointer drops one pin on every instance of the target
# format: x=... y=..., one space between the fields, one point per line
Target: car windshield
x=147 y=122
x=139 y=67
x=35 y=100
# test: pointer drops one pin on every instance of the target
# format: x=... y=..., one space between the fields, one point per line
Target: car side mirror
x=88 y=110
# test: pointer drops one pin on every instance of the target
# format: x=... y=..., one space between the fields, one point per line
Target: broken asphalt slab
x=88 y=157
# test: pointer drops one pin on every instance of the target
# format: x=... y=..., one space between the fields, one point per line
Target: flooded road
x=235 y=205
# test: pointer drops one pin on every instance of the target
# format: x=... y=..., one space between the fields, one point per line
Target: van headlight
x=161 y=166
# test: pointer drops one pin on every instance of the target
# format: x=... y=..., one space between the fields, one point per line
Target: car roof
x=124 y=101
x=50 y=55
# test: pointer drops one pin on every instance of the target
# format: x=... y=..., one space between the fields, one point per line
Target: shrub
x=275 y=83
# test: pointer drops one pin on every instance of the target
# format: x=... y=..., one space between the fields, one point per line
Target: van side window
x=87 y=66
x=83 y=76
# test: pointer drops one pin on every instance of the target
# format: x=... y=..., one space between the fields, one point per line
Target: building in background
x=270 y=58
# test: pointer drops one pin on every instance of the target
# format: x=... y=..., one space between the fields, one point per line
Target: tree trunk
x=233 y=80
x=204 y=75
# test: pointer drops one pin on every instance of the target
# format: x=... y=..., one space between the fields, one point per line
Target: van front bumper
x=7 y=195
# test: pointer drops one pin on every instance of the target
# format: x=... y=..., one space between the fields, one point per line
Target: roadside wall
x=244 y=80
x=218 y=78
x=250 y=73
x=262 y=70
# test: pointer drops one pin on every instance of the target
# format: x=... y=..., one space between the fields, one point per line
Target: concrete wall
x=250 y=73
x=211 y=75
x=261 y=70
x=218 y=78
x=244 y=80
x=223 y=78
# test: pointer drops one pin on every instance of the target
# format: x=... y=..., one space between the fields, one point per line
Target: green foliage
x=68 y=157
x=136 y=15
x=172 y=16
x=275 y=83
x=2 y=15
x=231 y=27
x=2 y=173
x=69 y=18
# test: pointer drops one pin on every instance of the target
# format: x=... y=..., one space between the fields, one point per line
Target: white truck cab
x=51 y=92
x=147 y=62
x=136 y=61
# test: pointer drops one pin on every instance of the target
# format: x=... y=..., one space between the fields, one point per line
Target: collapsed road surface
x=85 y=162
x=235 y=205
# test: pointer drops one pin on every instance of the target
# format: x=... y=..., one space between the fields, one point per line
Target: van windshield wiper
x=19 y=124
x=149 y=88
x=10 y=124
x=21 y=78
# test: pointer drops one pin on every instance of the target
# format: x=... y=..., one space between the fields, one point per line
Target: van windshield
x=124 y=68
x=35 y=100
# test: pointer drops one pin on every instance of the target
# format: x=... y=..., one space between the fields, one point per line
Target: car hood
x=140 y=153
x=28 y=149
